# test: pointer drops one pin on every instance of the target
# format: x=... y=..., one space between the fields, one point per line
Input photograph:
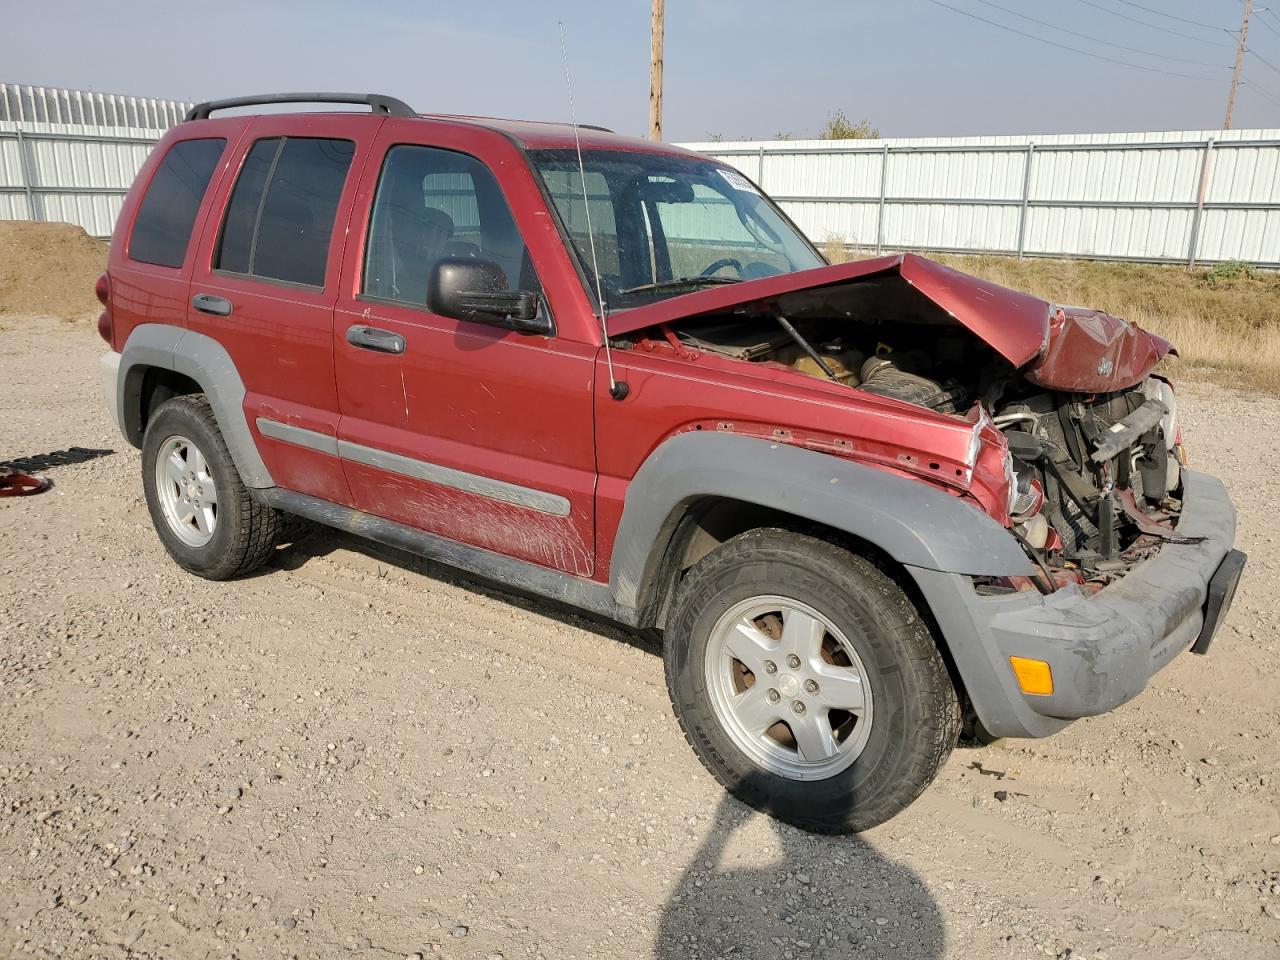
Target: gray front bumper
x=1103 y=647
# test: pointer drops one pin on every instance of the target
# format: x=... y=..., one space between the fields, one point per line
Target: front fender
x=912 y=522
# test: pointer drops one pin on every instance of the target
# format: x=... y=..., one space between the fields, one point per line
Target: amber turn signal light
x=1034 y=676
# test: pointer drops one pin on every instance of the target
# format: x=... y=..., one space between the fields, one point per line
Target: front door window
x=432 y=204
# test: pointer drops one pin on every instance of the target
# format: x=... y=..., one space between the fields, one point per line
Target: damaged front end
x=1063 y=400
x=1099 y=473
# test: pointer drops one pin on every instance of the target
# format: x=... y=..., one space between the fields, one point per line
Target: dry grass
x=1226 y=330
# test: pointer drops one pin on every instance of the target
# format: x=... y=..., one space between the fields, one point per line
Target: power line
x=1109 y=43
x=1152 y=26
x=1063 y=46
x=1161 y=13
x=1259 y=90
x=1264 y=23
x=1261 y=59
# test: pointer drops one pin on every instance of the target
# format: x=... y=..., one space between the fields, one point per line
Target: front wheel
x=807 y=683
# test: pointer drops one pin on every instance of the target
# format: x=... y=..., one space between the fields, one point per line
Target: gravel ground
x=359 y=753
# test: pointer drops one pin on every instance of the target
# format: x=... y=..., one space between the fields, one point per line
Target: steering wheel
x=723 y=262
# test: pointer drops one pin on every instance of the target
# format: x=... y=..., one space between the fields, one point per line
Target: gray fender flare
x=916 y=524
x=206 y=362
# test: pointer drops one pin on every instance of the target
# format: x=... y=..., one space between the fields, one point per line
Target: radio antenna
x=617 y=389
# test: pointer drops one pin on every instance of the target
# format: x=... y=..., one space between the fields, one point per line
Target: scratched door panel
x=488 y=432
x=458 y=427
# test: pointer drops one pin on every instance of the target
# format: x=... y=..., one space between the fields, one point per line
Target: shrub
x=840 y=127
x=1229 y=270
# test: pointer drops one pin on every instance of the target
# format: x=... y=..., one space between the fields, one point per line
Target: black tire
x=246 y=531
x=916 y=716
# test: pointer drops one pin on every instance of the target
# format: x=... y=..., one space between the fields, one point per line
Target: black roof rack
x=379 y=102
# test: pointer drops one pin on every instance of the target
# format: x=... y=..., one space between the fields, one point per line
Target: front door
x=460 y=428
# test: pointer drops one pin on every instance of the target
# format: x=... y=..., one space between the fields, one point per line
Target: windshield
x=665 y=224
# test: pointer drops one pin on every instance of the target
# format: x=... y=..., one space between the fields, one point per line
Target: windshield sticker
x=736 y=180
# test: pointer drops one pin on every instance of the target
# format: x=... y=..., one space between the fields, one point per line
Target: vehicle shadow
x=801 y=896
x=311 y=540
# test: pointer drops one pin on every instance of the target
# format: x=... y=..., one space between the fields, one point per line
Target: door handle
x=208 y=303
x=371 y=338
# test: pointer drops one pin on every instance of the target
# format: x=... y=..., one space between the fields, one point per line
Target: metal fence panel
x=71 y=155
x=1132 y=196
x=1198 y=196
x=84 y=108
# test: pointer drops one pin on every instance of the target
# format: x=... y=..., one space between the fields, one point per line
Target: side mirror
x=466 y=288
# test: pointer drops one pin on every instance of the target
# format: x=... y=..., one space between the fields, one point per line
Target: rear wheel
x=201 y=510
x=807 y=683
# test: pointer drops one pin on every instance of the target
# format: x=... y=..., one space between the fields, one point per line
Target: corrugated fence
x=70 y=155
x=1185 y=197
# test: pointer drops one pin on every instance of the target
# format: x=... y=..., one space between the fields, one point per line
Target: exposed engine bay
x=1094 y=476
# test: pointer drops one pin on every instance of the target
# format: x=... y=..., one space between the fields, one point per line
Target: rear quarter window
x=162 y=228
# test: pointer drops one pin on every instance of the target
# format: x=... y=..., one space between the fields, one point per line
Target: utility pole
x=1235 y=74
x=655 y=70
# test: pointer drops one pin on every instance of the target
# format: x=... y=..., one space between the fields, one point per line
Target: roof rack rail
x=379 y=102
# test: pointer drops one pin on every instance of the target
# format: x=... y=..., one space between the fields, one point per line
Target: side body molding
x=205 y=361
x=912 y=522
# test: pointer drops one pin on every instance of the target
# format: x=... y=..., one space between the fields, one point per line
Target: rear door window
x=162 y=228
x=281 y=215
x=239 y=229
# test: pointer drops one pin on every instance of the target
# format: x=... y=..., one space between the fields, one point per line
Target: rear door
x=265 y=282
x=153 y=249
x=456 y=427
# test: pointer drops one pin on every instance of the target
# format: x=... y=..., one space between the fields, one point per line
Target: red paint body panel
x=280 y=335
x=537 y=135
x=470 y=396
x=719 y=299
x=147 y=292
x=484 y=401
x=1093 y=352
x=1014 y=324
x=670 y=395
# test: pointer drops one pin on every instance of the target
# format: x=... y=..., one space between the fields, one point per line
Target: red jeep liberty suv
x=860 y=503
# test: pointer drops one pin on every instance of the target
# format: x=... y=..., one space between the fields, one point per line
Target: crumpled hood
x=1072 y=348
x=1015 y=324
x=1093 y=352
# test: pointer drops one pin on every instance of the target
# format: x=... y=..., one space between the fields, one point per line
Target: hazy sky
x=747 y=69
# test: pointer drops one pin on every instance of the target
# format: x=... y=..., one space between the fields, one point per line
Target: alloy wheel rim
x=187 y=491
x=788 y=688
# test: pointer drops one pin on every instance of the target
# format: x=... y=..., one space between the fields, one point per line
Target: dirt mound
x=49 y=269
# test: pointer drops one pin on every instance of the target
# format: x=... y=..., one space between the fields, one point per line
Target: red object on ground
x=14 y=484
